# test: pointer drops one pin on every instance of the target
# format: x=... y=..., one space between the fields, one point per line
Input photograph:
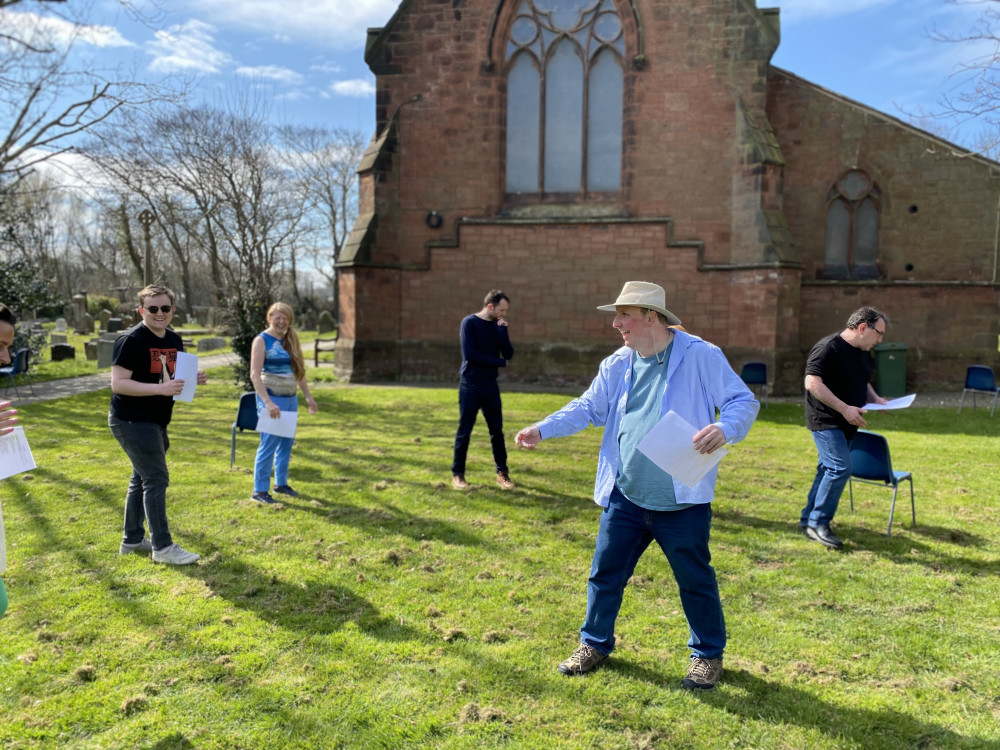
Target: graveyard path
x=88 y=383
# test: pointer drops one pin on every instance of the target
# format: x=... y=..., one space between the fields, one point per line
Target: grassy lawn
x=381 y=609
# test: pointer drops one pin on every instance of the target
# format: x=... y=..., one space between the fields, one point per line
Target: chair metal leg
x=892 y=510
x=766 y=391
x=232 y=449
x=850 y=489
x=961 y=400
x=995 y=394
x=913 y=507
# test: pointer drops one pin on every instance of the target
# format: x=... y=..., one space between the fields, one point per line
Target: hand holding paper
x=669 y=446
x=186 y=369
x=897 y=403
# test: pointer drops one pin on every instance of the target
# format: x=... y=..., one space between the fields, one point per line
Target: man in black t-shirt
x=485 y=348
x=143 y=387
x=838 y=375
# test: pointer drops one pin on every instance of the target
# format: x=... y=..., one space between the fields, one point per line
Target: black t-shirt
x=846 y=370
x=152 y=360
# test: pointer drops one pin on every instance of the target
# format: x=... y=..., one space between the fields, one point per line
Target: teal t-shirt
x=639 y=479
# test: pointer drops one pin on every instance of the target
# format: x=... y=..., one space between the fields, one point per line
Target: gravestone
x=57 y=338
x=179 y=317
x=104 y=316
x=326 y=323
x=108 y=336
x=59 y=352
x=308 y=321
x=114 y=325
x=79 y=306
x=105 y=352
x=90 y=350
x=211 y=343
x=86 y=326
x=61 y=326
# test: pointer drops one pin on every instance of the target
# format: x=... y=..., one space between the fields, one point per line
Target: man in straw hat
x=658 y=370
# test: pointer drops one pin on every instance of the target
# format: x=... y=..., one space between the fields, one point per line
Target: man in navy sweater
x=485 y=348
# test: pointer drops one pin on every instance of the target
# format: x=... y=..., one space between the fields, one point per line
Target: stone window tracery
x=565 y=83
x=853 y=207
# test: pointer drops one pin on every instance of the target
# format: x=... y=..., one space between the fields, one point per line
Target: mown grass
x=383 y=610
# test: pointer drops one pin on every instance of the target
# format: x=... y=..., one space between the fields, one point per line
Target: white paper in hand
x=186 y=369
x=669 y=446
x=15 y=455
x=283 y=426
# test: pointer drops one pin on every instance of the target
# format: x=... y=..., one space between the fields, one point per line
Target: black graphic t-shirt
x=152 y=360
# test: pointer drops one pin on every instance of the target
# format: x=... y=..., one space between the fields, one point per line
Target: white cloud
x=360 y=87
x=272 y=73
x=339 y=23
x=59 y=32
x=187 y=48
x=326 y=67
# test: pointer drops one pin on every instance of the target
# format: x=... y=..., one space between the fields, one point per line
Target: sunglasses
x=154 y=309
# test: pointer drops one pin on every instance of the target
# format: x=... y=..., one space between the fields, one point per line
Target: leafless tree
x=324 y=163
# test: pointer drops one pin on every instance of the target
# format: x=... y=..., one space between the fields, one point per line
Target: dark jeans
x=145 y=444
x=470 y=402
x=625 y=531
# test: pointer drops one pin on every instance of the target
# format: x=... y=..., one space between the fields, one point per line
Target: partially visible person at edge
x=277 y=371
x=143 y=386
x=8 y=421
x=658 y=369
x=838 y=375
x=486 y=347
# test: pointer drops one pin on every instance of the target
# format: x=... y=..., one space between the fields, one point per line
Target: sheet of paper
x=15 y=455
x=186 y=369
x=897 y=403
x=283 y=426
x=669 y=446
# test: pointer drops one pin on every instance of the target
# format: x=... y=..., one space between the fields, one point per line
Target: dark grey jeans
x=145 y=444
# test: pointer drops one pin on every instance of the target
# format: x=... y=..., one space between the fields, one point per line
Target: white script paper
x=283 y=426
x=669 y=446
x=186 y=369
x=897 y=403
x=15 y=455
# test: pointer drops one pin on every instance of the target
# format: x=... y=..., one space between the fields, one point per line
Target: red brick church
x=557 y=148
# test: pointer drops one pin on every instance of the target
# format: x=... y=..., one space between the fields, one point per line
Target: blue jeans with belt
x=273 y=450
x=832 y=473
x=626 y=530
x=145 y=444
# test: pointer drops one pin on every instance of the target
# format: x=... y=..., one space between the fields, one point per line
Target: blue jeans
x=470 y=401
x=273 y=450
x=832 y=473
x=625 y=531
x=145 y=444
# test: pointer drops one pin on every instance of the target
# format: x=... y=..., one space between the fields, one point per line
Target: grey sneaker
x=702 y=674
x=175 y=554
x=285 y=489
x=263 y=497
x=582 y=660
x=144 y=547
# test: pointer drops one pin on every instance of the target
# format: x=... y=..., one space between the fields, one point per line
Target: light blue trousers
x=273 y=451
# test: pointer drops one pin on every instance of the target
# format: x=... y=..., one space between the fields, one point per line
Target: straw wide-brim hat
x=643 y=294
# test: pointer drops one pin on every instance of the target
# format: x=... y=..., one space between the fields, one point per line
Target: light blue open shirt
x=699 y=381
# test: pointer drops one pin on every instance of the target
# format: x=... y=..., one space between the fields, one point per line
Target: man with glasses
x=838 y=385
x=143 y=387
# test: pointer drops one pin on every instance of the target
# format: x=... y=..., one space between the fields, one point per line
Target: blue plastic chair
x=246 y=419
x=18 y=366
x=979 y=379
x=755 y=374
x=870 y=463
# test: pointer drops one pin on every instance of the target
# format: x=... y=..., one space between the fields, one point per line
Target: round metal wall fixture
x=434 y=219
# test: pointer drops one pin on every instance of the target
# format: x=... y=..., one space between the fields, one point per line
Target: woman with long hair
x=277 y=371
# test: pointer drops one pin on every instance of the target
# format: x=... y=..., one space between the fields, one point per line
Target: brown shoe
x=458 y=482
x=503 y=479
x=581 y=661
x=703 y=674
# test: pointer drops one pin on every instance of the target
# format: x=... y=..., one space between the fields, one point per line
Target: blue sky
x=309 y=55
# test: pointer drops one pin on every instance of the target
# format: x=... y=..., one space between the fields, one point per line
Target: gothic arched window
x=565 y=81
x=852 y=212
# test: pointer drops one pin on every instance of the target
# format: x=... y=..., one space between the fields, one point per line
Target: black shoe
x=284 y=489
x=263 y=497
x=824 y=536
x=804 y=528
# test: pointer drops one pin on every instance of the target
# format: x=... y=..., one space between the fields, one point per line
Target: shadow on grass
x=756 y=699
x=904 y=550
